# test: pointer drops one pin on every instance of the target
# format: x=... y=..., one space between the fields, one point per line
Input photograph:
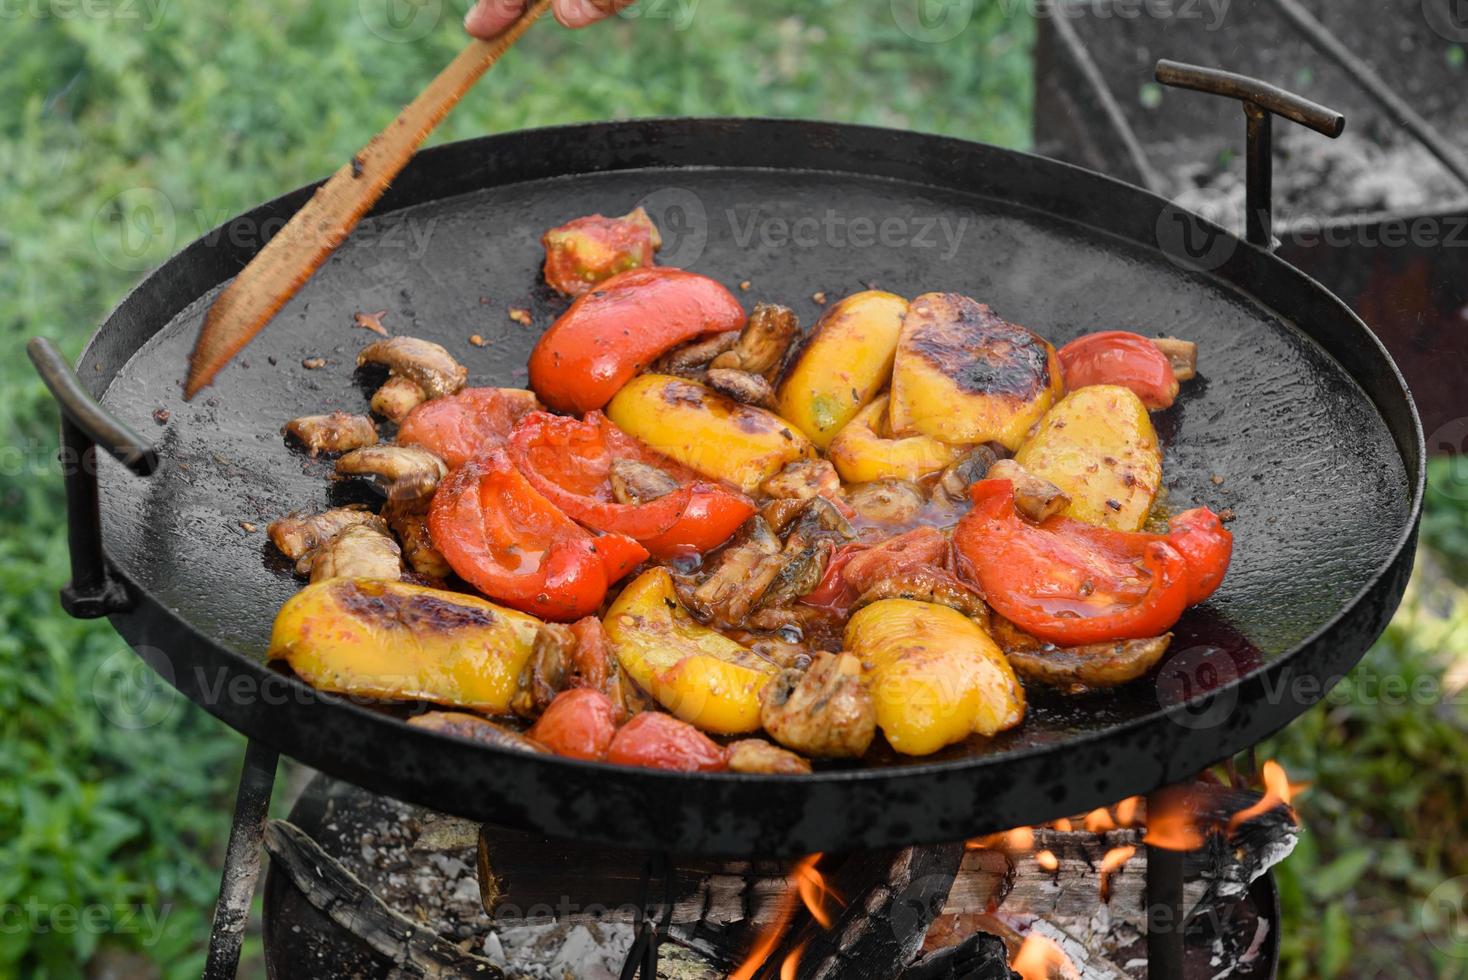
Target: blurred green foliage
x=115 y=794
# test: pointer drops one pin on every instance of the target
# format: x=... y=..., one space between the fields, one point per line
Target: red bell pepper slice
x=621 y=327
x=1206 y=544
x=654 y=740
x=505 y=539
x=855 y=566
x=1117 y=357
x=459 y=427
x=570 y=462
x=1065 y=581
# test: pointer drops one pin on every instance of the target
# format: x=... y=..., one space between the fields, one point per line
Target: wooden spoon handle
x=290 y=258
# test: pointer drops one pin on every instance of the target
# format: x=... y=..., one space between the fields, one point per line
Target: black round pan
x=1300 y=425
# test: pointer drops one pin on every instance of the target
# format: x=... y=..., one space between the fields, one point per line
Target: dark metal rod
x=1259 y=176
x=1164 y=905
x=1216 y=81
x=81 y=408
x=1321 y=38
x=241 y=861
x=83 y=511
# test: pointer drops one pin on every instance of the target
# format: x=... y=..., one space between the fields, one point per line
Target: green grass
x=124 y=136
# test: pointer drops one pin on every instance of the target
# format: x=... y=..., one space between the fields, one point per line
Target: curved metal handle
x=85 y=425
x=1262 y=102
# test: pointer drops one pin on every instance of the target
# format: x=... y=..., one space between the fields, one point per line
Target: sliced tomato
x=579 y=723
x=459 y=427
x=502 y=537
x=1117 y=357
x=586 y=251
x=570 y=462
x=856 y=566
x=1065 y=581
x=654 y=740
x=620 y=327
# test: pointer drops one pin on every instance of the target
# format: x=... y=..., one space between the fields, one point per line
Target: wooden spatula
x=313 y=233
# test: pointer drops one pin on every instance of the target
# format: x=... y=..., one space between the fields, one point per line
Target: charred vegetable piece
x=825 y=711
x=865 y=450
x=654 y=740
x=936 y=677
x=969 y=469
x=427 y=366
x=586 y=251
x=580 y=465
x=337 y=432
x=1116 y=357
x=690 y=360
x=845 y=362
x=1036 y=498
x=547 y=672
x=409 y=521
x=804 y=479
x=741 y=386
x=965 y=375
x=621 y=327
x=403 y=473
x=396 y=641
x=298 y=535
x=1098 y=446
x=1181 y=354
x=397 y=397
x=762 y=343
x=1077 y=669
x=359 y=551
x=886 y=501
x=579 y=723
x=857 y=567
x=698 y=674
x=755 y=755
x=507 y=540
x=926 y=583
x=742 y=577
x=475 y=729
x=459 y=427
x=705 y=431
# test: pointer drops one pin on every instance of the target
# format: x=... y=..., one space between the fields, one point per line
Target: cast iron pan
x=1299 y=410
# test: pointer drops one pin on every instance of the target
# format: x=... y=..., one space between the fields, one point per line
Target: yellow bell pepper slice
x=864 y=450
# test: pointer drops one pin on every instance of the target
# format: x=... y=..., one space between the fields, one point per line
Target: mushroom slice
x=804 y=479
x=742 y=386
x=404 y=472
x=461 y=724
x=762 y=343
x=408 y=519
x=637 y=483
x=428 y=365
x=886 y=501
x=360 y=551
x=1034 y=497
x=927 y=583
x=755 y=755
x=1077 y=669
x=338 y=432
x=690 y=360
x=818 y=520
x=397 y=397
x=972 y=467
x=825 y=711
x=297 y=535
x=1181 y=354
x=548 y=670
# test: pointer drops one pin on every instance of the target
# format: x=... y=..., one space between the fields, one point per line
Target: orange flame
x=1040 y=959
x=1126 y=811
x=1099 y=821
x=812 y=889
x=1047 y=860
x=792 y=963
x=1062 y=825
x=1278 y=791
x=1016 y=841
x=1110 y=864
x=1170 y=824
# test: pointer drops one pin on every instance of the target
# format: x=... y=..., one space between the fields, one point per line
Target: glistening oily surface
x=1308 y=466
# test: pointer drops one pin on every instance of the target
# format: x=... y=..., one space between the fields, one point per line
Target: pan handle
x=85 y=425
x=1262 y=102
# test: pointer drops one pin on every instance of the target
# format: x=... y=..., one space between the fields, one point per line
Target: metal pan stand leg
x=241 y=861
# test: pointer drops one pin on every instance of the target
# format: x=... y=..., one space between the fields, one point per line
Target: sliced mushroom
x=360 y=551
x=690 y=360
x=762 y=343
x=826 y=711
x=428 y=365
x=886 y=501
x=1077 y=669
x=297 y=535
x=404 y=472
x=408 y=519
x=737 y=586
x=804 y=479
x=780 y=512
x=927 y=583
x=969 y=469
x=397 y=397
x=338 y=432
x=1181 y=354
x=755 y=755
x=742 y=386
x=476 y=729
x=1034 y=497
x=818 y=520
x=637 y=483
x=547 y=672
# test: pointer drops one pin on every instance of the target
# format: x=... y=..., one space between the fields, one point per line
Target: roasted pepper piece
x=696 y=673
x=654 y=740
x=707 y=432
x=1098 y=446
x=459 y=427
x=964 y=375
x=504 y=538
x=396 y=641
x=578 y=724
x=1068 y=582
x=1116 y=357
x=570 y=462
x=845 y=361
x=619 y=328
x=585 y=251
x=936 y=676
x=865 y=451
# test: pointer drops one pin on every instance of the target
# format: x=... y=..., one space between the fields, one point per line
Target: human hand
x=489 y=17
